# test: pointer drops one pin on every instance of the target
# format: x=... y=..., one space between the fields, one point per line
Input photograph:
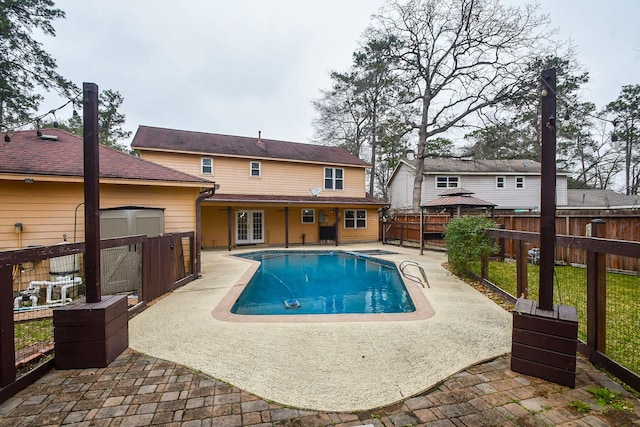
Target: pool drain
x=291 y=303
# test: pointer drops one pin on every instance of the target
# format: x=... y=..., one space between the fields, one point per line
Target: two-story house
x=269 y=192
x=508 y=184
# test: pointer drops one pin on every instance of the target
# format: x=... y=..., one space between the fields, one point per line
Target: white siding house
x=509 y=184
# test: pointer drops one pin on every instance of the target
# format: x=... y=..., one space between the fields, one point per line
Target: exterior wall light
x=17 y=227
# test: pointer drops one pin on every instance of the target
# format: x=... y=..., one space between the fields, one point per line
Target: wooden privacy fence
x=168 y=262
x=405 y=230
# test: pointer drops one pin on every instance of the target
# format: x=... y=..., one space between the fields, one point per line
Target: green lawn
x=33 y=332
x=623 y=304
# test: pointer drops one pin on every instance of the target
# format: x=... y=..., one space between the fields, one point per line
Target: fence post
x=484 y=267
x=401 y=233
x=501 y=242
x=521 y=269
x=596 y=293
x=7 y=344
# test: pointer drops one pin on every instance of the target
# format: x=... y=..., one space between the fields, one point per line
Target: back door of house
x=249 y=227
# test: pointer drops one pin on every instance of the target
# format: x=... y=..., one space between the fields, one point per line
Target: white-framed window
x=447 y=181
x=206 y=165
x=333 y=178
x=501 y=182
x=355 y=218
x=520 y=182
x=255 y=170
x=308 y=216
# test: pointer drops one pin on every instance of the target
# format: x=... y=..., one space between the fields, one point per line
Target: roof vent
x=49 y=137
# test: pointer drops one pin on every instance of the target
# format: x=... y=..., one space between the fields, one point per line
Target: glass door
x=249 y=227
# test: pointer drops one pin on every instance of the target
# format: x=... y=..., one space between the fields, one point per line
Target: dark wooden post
x=421 y=231
x=7 y=345
x=501 y=242
x=548 y=183
x=521 y=269
x=544 y=339
x=286 y=226
x=596 y=293
x=91 y=333
x=484 y=267
x=229 y=227
x=91 y=192
x=337 y=224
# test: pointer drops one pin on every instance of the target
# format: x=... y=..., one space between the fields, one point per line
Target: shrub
x=467 y=242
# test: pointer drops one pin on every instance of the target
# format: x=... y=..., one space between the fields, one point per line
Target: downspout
x=205 y=194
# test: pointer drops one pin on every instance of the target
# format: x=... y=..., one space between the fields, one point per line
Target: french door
x=249 y=227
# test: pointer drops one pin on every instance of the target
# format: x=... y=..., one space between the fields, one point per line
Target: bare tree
x=626 y=111
x=458 y=57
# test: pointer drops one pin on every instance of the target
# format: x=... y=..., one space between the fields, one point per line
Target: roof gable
x=153 y=138
x=28 y=154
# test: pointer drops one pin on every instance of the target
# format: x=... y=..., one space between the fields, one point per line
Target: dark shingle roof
x=600 y=199
x=261 y=198
x=27 y=154
x=521 y=166
x=153 y=138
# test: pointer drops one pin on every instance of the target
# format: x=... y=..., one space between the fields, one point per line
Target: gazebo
x=457 y=199
x=453 y=199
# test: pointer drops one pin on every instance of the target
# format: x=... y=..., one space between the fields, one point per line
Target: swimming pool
x=322 y=282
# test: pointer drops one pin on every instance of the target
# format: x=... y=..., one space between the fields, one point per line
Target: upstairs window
x=308 y=216
x=500 y=182
x=255 y=169
x=447 y=181
x=333 y=178
x=355 y=218
x=520 y=182
x=206 y=166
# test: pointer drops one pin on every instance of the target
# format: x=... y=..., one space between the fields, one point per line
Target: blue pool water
x=329 y=282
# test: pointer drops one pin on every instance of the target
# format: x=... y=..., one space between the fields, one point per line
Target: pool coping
x=222 y=311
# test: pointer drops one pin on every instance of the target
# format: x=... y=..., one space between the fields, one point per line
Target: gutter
x=204 y=194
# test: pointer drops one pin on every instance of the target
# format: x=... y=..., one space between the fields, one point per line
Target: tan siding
x=215 y=230
x=47 y=210
x=182 y=162
x=277 y=177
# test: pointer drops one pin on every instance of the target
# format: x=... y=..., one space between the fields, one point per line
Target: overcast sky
x=239 y=66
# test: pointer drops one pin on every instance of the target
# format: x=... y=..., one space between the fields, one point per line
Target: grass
x=623 y=294
x=33 y=332
x=606 y=397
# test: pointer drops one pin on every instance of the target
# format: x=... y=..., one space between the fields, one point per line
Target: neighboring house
x=601 y=200
x=42 y=191
x=270 y=192
x=509 y=184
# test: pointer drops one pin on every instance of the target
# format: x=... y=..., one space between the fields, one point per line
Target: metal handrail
x=412 y=277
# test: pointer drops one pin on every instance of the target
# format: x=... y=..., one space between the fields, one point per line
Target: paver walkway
x=137 y=390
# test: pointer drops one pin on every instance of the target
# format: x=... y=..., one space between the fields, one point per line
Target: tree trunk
x=422 y=143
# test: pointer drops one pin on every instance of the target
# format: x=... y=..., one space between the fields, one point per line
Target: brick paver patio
x=137 y=390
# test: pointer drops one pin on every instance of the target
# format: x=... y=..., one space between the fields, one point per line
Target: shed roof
x=62 y=155
x=154 y=138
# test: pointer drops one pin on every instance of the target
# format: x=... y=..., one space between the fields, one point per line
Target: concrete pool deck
x=329 y=365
